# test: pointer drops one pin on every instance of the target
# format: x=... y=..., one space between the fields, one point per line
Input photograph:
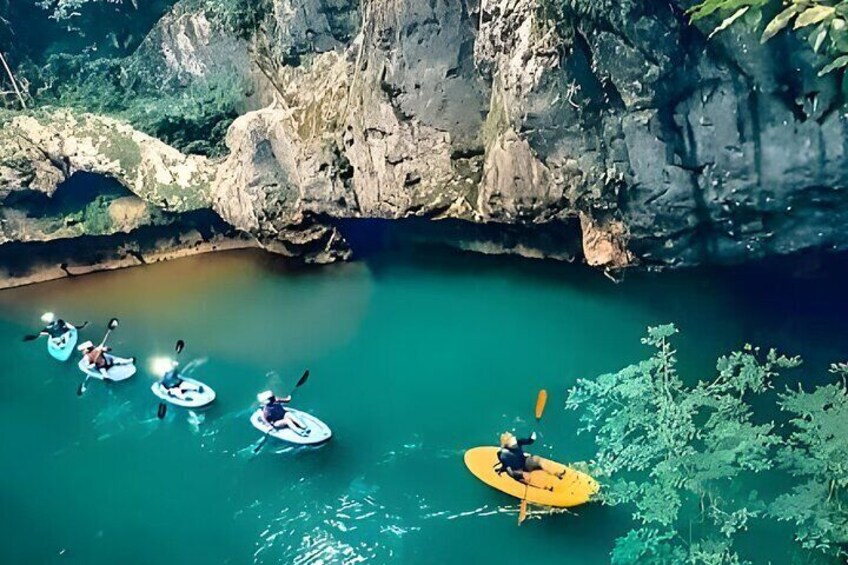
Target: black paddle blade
x=302 y=379
x=261 y=443
x=30 y=337
x=160 y=412
x=180 y=346
x=81 y=389
x=113 y=323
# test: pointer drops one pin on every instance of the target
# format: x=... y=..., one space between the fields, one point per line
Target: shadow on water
x=795 y=298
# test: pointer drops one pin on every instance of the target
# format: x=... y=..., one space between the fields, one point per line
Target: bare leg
x=294 y=423
x=534 y=463
x=524 y=479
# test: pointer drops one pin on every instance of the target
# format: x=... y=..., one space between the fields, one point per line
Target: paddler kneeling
x=517 y=464
x=274 y=412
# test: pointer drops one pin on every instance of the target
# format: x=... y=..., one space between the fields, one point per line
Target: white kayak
x=316 y=432
x=189 y=399
x=121 y=370
x=60 y=348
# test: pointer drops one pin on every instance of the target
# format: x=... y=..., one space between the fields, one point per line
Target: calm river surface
x=414 y=357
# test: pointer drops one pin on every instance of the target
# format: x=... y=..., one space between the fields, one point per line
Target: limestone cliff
x=609 y=126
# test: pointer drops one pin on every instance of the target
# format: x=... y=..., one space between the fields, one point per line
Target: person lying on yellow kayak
x=515 y=463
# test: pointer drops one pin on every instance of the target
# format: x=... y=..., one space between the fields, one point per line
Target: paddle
x=541 y=400
x=163 y=407
x=33 y=337
x=264 y=439
x=522 y=509
x=113 y=323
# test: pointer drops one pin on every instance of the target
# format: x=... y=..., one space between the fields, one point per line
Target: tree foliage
x=679 y=455
x=823 y=22
x=193 y=118
x=61 y=10
x=816 y=453
x=243 y=17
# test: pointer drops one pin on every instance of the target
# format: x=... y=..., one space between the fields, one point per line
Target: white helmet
x=265 y=398
x=48 y=317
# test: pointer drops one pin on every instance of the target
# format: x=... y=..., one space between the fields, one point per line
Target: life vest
x=274 y=412
x=171 y=379
x=96 y=358
x=56 y=329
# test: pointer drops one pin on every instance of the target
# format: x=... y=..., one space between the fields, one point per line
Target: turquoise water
x=414 y=357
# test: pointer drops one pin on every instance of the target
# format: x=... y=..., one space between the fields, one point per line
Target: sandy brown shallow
x=51 y=272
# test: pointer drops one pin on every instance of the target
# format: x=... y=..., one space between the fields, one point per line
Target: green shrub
x=823 y=22
x=679 y=455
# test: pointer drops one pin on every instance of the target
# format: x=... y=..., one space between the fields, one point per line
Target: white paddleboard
x=120 y=371
x=317 y=431
x=60 y=348
x=188 y=399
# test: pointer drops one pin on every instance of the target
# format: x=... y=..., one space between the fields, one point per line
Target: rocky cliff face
x=612 y=128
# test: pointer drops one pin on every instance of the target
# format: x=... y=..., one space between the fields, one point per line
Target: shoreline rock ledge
x=609 y=132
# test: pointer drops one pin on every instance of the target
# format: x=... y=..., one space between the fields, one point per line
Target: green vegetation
x=822 y=21
x=240 y=16
x=679 y=455
x=67 y=9
x=193 y=118
x=817 y=455
x=85 y=66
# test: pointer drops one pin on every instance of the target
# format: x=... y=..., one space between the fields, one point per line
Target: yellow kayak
x=574 y=489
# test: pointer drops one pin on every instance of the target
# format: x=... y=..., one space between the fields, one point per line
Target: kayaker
x=98 y=357
x=515 y=462
x=55 y=328
x=175 y=384
x=275 y=413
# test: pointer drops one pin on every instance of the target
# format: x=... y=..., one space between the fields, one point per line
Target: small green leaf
x=729 y=21
x=837 y=63
x=814 y=15
x=779 y=22
x=817 y=37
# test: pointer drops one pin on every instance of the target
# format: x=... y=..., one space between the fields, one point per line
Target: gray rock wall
x=616 y=116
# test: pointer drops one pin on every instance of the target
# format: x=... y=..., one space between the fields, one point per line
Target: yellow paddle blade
x=522 y=511
x=540 y=403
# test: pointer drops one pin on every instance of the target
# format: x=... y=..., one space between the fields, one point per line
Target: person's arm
x=528 y=441
x=285 y=400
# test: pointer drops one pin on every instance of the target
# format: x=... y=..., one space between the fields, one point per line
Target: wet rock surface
x=618 y=117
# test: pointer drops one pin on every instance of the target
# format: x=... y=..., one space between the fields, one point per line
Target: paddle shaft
x=33 y=337
x=522 y=509
x=109 y=329
x=541 y=400
x=163 y=407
